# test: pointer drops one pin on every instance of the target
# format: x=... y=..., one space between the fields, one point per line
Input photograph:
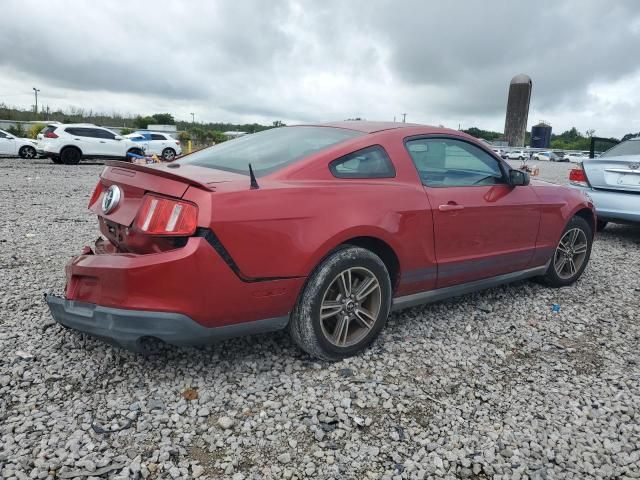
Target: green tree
x=184 y=137
x=18 y=130
x=163 y=119
x=126 y=131
x=143 y=122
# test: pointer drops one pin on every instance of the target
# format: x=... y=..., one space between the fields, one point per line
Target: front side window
x=3 y=135
x=446 y=162
x=270 y=150
x=100 y=133
x=371 y=162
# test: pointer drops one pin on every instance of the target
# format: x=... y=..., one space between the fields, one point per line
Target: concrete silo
x=515 y=125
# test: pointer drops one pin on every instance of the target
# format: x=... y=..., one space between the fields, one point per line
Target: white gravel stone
x=431 y=398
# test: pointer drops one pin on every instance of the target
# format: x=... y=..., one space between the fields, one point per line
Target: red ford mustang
x=320 y=229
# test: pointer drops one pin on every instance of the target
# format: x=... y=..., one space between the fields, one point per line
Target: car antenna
x=254 y=182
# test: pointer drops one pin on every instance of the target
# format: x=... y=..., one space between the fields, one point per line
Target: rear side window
x=48 y=129
x=100 y=133
x=270 y=150
x=446 y=162
x=370 y=162
x=3 y=135
x=155 y=136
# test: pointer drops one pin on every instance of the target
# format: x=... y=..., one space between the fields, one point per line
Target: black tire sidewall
x=551 y=276
x=308 y=310
x=24 y=149
x=64 y=154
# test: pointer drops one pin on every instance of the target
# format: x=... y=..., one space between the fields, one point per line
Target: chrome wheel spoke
x=344 y=283
x=582 y=248
x=341 y=331
x=365 y=318
x=329 y=308
x=366 y=288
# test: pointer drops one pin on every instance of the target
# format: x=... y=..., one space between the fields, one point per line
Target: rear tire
x=27 y=152
x=169 y=154
x=571 y=255
x=601 y=225
x=56 y=160
x=70 y=156
x=352 y=290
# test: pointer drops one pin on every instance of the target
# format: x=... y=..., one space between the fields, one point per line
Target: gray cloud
x=301 y=60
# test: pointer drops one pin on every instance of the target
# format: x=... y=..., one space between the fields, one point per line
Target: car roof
x=76 y=125
x=370 y=127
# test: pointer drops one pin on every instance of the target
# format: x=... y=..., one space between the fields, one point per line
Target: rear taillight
x=178 y=142
x=163 y=216
x=577 y=176
x=50 y=135
x=96 y=194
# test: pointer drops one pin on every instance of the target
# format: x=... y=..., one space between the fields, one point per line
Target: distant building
x=541 y=135
x=232 y=134
x=515 y=126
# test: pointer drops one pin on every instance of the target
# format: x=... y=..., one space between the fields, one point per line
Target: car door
x=483 y=226
x=159 y=142
x=7 y=144
x=108 y=145
x=84 y=139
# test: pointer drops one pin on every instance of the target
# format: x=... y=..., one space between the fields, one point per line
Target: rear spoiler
x=160 y=172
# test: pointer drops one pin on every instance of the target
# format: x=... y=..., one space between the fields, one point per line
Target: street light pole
x=193 y=118
x=36 y=90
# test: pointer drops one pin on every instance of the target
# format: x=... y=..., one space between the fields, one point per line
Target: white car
x=70 y=143
x=577 y=157
x=517 y=155
x=12 y=146
x=161 y=144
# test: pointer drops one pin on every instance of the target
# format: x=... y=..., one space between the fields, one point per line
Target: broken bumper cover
x=126 y=328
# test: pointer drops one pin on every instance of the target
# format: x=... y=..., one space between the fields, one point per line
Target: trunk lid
x=134 y=181
x=614 y=173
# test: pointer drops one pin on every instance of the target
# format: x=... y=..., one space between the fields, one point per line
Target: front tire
x=70 y=156
x=27 y=152
x=56 y=160
x=344 y=304
x=169 y=154
x=571 y=255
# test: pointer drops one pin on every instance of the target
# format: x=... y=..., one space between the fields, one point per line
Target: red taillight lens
x=96 y=194
x=163 y=216
x=578 y=177
x=50 y=135
x=177 y=142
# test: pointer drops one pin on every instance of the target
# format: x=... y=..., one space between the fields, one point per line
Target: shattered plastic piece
x=555 y=307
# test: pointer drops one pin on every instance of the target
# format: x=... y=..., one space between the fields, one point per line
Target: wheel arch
x=588 y=216
x=376 y=242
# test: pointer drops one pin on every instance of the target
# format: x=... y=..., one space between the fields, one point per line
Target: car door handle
x=450 y=207
x=102 y=141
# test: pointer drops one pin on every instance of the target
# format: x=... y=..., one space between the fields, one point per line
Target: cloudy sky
x=446 y=63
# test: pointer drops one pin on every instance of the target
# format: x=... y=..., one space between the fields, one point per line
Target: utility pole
x=193 y=118
x=35 y=90
x=404 y=118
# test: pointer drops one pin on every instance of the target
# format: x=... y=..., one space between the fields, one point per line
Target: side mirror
x=518 y=178
x=117 y=137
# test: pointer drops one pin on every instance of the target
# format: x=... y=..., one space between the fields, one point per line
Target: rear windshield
x=270 y=150
x=48 y=129
x=630 y=147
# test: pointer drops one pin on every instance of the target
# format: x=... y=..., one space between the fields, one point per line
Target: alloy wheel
x=350 y=306
x=571 y=253
x=29 y=152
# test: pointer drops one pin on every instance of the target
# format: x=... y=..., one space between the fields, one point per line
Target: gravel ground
x=491 y=385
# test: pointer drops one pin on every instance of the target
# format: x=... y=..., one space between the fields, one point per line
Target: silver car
x=613 y=182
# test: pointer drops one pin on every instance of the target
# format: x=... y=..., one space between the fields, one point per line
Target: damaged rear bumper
x=126 y=328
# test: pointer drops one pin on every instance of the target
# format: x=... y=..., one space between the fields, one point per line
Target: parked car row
x=13 y=146
x=71 y=143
